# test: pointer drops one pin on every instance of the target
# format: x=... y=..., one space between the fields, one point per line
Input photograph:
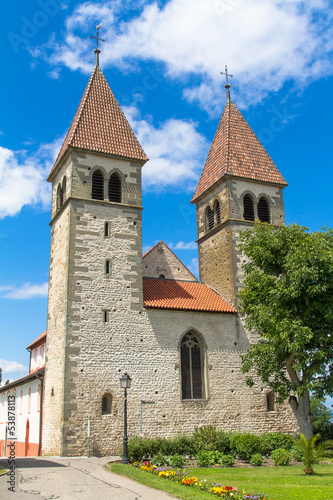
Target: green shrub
x=183 y=445
x=245 y=445
x=138 y=449
x=160 y=460
x=281 y=456
x=209 y=438
x=205 y=458
x=296 y=453
x=226 y=461
x=257 y=460
x=272 y=440
x=177 y=461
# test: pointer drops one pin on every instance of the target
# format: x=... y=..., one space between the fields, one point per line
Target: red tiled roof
x=100 y=125
x=236 y=151
x=183 y=295
x=38 y=339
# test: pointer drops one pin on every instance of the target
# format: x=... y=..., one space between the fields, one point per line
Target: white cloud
x=22 y=178
x=25 y=291
x=181 y=245
x=175 y=149
x=12 y=367
x=265 y=42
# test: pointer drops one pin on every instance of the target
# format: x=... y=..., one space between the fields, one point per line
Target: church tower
x=239 y=185
x=96 y=248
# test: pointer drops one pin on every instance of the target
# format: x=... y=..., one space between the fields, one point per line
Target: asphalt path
x=72 y=478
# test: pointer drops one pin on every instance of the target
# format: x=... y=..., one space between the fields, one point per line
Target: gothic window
x=209 y=218
x=263 y=210
x=97 y=190
x=270 y=401
x=106 y=404
x=217 y=213
x=192 y=364
x=248 y=213
x=115 y=188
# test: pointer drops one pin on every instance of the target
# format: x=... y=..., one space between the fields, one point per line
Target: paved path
x=72 y=479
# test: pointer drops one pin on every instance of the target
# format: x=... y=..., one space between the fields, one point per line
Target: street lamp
x=125 y=383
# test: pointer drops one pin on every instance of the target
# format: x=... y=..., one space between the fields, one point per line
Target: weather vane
x=227 y=75
x=97 y=38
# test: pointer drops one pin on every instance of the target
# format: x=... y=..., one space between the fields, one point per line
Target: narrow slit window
x=248 y=213
x=115 y=188
x=270 y=400
x=210 y=218
x=106 y=229
x=263 y=210
x=106 y=404
x=107 y=267
x=106 y=316
x=217 y=213
x=192 y=367
x=97 y=191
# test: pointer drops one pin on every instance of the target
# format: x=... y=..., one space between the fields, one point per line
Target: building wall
x=27 y=412
x=162 y=261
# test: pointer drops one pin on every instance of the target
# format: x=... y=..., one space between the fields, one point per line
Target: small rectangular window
x=106 y=314
x=106 y=229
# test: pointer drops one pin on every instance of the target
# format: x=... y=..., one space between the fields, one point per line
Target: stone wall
x=160 y=260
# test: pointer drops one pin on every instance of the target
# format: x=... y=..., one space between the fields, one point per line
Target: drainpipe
x=41 y=378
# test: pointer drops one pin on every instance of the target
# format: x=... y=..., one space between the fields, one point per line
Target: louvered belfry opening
x=63 y=191
x=115 y=188
x=191 y=367
x=59 y=197
x=97 y=191
x=263 y=210
x=210 y=218
x=217 y=212
x=248 y=208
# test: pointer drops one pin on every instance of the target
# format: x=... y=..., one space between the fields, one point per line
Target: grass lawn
x=279 y=483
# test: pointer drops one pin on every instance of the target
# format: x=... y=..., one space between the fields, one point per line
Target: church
x=112 y=310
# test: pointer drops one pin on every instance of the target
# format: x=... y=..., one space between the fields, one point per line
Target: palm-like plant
x=312 y=453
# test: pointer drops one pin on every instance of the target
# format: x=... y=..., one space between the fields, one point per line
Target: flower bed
x=185 y=478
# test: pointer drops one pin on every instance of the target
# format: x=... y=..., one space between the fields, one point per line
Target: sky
x=162 y=60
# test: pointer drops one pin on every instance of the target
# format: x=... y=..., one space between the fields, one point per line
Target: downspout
x=41 y=378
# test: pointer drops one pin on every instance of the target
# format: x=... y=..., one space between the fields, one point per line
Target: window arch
x=97 y=189
x=209 y=218
x=248 y=213
x=217 y=213
x=59 y=197
x=263 y=210
x=115 y=188
x=106 y=404
x=192 y=366
x=64 y=187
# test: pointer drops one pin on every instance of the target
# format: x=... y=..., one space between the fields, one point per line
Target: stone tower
x=239 y=185
x=95 y=249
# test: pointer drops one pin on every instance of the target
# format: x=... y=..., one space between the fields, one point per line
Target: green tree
x=321 y=415
x=287 y=299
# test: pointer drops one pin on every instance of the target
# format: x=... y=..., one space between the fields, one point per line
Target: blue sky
x=162 y=60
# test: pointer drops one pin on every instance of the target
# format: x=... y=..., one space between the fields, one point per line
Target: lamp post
x=125 y=383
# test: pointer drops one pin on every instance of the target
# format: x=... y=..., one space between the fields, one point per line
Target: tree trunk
x=302 y=412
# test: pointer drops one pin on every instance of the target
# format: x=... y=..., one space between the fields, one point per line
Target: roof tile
x=183 y=295
x=236 y=151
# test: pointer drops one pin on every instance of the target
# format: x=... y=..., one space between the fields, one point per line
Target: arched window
x=248 y=213
x=263 y=210
x=209 y=218
x=270 y=401
x=115 y=188
x=192 y=367
x=106 y=404
x=217 y=213
x=97 y=190
x=64 y=187
x=42 y=358
x=59 y=197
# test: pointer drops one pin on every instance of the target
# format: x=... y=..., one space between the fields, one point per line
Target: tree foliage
x=287 y=299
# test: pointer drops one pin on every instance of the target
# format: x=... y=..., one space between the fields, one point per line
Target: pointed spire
x=100 y=126
x=237 y=152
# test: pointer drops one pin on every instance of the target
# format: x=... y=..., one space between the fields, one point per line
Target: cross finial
x=97 y=38
x=227 y=76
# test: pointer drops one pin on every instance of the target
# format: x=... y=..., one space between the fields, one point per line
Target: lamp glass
x=125 y=381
